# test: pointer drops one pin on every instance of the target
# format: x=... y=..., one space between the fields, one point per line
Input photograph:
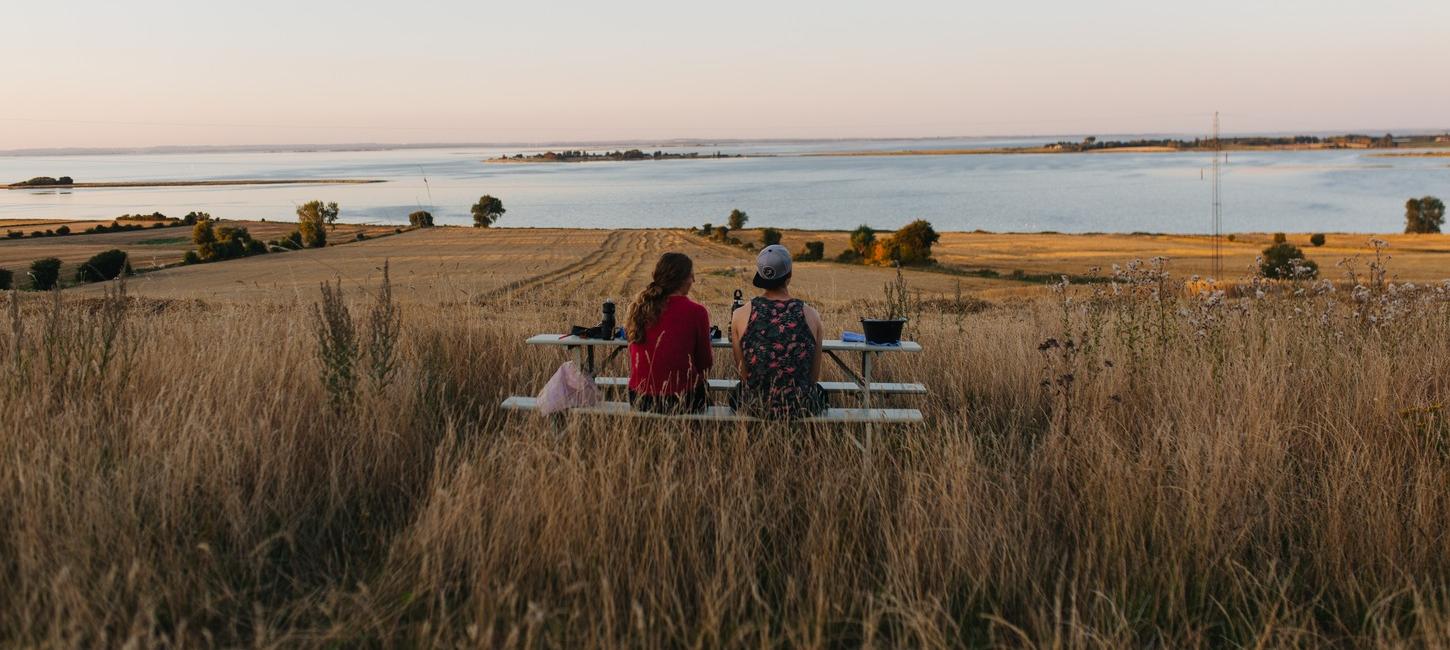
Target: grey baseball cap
x=772 y=267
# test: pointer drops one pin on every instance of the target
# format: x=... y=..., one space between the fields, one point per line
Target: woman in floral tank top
x=777 y=341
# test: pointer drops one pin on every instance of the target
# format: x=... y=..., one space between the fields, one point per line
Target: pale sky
x=87 y=73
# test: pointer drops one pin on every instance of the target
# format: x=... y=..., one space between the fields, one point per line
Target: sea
x=777 y=183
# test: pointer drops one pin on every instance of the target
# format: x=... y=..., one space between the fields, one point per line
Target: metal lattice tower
x=1217 y=204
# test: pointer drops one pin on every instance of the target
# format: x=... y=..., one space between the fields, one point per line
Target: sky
x=90 y=73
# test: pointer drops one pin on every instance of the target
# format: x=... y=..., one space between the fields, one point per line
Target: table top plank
x=829 y=345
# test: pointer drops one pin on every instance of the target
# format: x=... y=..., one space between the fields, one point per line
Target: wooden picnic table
x=583 y=350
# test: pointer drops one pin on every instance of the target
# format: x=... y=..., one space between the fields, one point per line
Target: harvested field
x=1138 y=466
x=1417 y=258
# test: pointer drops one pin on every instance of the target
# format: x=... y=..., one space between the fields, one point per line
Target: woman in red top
x=669 y=341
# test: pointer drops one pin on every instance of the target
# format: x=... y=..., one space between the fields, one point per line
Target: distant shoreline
x=213 y=183
x=1050 y=150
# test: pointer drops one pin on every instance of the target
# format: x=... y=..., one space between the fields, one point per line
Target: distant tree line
x=580 y=155
x=1354 y=140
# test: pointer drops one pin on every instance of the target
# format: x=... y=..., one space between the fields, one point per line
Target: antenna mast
x=1217 y=204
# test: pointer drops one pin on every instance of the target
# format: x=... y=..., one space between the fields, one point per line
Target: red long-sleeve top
x=676 y=351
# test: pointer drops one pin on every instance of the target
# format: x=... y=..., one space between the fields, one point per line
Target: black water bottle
x=606 y=328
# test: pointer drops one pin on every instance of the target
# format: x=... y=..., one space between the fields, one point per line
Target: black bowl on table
x=883 y=331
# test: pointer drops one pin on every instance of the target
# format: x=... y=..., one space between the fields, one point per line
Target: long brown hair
x=671 y=272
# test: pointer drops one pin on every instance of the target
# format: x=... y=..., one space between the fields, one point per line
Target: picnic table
x=861 y=384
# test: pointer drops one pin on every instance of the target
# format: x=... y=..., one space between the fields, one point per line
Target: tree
x=106 y=265
x=487 y=211
x=722 y=232
x=1424 y=215
x=63 y=230
x=1285 y=261
x=862 y=239
x=737 y=219
x=194 y=216
x=1280 y=238
x=312 y=220
x=44 y=273
x=769 y=237
x=1317 y=239
x=421 y=219
x=707 y=229
x=203 y=232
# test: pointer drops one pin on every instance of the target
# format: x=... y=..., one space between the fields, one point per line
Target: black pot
x=883 y=330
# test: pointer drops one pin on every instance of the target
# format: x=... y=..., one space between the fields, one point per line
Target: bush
x=707 y=229
x=813 y=251
x=1280 y=238
x=14 y=234
x=190 y=258
x=7 y=279
x=769 y=236
x=106 y=265
x=421 y=219
x=722 y=232
x=64 y=180
x=255 y=247
x=44 y=273
x=1285 y=261
x=361 y=236
x=1317 y=239
x=63 y=230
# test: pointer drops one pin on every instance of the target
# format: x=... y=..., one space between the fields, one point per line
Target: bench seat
x=877 y=388
x=727 y=414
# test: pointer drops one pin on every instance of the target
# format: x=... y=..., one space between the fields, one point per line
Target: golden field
x=1107 y=465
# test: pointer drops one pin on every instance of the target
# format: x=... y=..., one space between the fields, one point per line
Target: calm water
x=1289 y=191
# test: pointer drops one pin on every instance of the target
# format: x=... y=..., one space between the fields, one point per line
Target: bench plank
x=727 y=414
x=882 y=388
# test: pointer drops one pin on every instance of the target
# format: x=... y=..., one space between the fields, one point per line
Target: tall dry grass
x=1123 y=464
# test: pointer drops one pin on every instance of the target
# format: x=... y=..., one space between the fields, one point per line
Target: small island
x=579 y=155
x=67 y=182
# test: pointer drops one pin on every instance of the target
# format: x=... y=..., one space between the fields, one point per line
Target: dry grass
x=1187 y=472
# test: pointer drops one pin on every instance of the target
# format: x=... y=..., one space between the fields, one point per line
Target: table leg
x=866 y=394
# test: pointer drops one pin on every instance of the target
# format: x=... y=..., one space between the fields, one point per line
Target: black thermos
x=607 y=327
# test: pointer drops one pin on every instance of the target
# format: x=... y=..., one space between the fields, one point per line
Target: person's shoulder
x=689 y=305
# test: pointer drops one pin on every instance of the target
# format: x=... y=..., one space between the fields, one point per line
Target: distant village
x=1347 y=141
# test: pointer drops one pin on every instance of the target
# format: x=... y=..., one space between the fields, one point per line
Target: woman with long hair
x=669 y=340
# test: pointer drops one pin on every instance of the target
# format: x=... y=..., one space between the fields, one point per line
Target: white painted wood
x=882 y=388
x=726 y=414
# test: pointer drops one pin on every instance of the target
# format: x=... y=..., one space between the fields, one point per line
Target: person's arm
x=704 y=354
x=813 y=320
x=738 y=322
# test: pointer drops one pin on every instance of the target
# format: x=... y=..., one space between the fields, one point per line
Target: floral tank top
x=779 y=348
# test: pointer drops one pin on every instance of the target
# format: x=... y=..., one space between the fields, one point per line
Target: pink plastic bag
x=568 y=388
